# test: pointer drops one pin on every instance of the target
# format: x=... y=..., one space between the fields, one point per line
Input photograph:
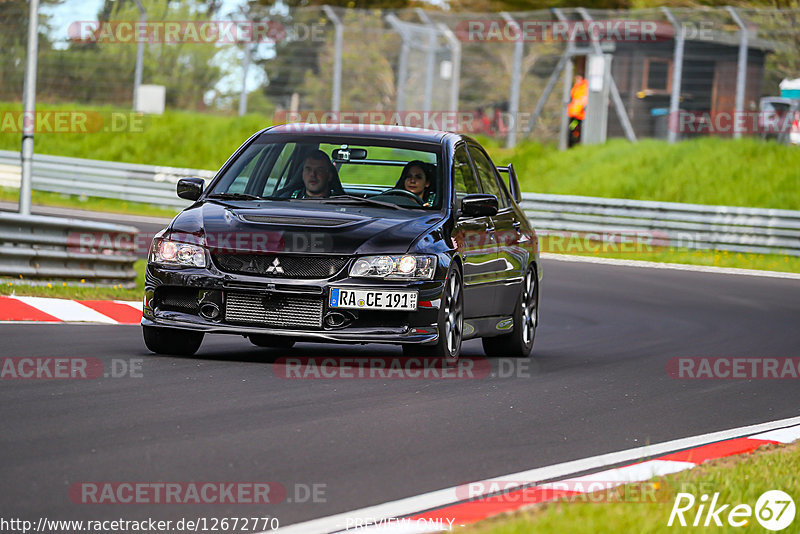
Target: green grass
x=176 y=138
x=744 y=172
x=70 y=290
x=739 y=480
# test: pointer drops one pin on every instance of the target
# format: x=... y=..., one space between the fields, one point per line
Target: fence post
x=137 y=75
x=741 y=69
x=566 y=91
x=336 y=98
x=516 y=75
x=431 y=58
x=245 y=68
x=29 y=117
x=455 y=47
x=677 y=74
x=619 y=106
x=402 y=65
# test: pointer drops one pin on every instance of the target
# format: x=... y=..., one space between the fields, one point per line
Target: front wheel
x=451 y=323
x=171 y=341
x=519 y=342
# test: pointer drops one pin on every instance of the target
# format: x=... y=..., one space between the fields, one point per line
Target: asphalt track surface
x=597 y=383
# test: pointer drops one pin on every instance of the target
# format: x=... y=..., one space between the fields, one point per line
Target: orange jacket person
x=576 y=109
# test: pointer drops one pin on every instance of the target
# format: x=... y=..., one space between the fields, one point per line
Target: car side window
x=279 y=169
x=464 y=179
x=487 y=176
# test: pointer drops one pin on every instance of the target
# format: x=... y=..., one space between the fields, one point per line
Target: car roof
x=367 y=131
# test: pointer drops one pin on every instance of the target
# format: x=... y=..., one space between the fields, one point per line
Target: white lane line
x=443 y=497
x=784 y=435
x=672 y=266
x=66 y=310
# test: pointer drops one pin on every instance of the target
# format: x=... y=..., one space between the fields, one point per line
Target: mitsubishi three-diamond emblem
x=275 y=267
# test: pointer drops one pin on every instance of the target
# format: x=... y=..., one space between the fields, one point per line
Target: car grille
x=286 y=266
x=274 y=309
x=178 y=299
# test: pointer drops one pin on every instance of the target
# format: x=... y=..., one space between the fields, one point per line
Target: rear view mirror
x=191 y=188
x=345 y=154
x=479 y=205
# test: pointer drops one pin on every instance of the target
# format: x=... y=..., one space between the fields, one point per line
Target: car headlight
x=171 y=252
x=405 y=267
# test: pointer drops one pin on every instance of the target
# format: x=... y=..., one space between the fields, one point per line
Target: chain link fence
x=508 y=71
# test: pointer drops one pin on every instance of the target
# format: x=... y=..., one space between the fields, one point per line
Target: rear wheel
x=267 y=340
x=451 y=323
x=519 y=342
x=172 y=341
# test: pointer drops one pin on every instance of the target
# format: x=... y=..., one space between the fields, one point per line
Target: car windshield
x=377 y=174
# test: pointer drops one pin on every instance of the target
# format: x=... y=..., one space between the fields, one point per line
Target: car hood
x=297 y=227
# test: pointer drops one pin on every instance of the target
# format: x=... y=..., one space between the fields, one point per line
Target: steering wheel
x=402 y=193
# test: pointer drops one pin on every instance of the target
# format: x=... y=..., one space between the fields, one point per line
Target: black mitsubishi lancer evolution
x=348 y=234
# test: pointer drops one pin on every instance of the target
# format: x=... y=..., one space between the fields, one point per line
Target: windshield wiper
x=349 y=199
x=233 y=196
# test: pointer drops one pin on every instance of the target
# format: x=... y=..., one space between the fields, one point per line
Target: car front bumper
x=175 y=295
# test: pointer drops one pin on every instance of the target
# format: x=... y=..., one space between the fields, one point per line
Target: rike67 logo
x=774 y=510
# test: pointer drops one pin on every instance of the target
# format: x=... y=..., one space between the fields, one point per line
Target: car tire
x=171 y=341
x=450 y=322
x=270 y=341
x=519 y=342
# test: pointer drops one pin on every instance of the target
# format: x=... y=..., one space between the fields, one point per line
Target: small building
x=643 y=73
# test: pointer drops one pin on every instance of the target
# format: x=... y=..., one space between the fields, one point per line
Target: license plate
x=373 y=299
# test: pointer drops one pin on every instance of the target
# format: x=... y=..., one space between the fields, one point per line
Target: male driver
x=317 y=174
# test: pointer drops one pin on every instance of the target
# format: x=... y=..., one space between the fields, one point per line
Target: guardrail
x=693 y=226
x=36 y=248
x=107 y=179
x=672 y=224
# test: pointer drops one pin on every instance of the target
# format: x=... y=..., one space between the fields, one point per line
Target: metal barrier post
x=29 y=118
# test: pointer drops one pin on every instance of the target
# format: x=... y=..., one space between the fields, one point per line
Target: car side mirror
x=479 y=205
x=191 y=188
